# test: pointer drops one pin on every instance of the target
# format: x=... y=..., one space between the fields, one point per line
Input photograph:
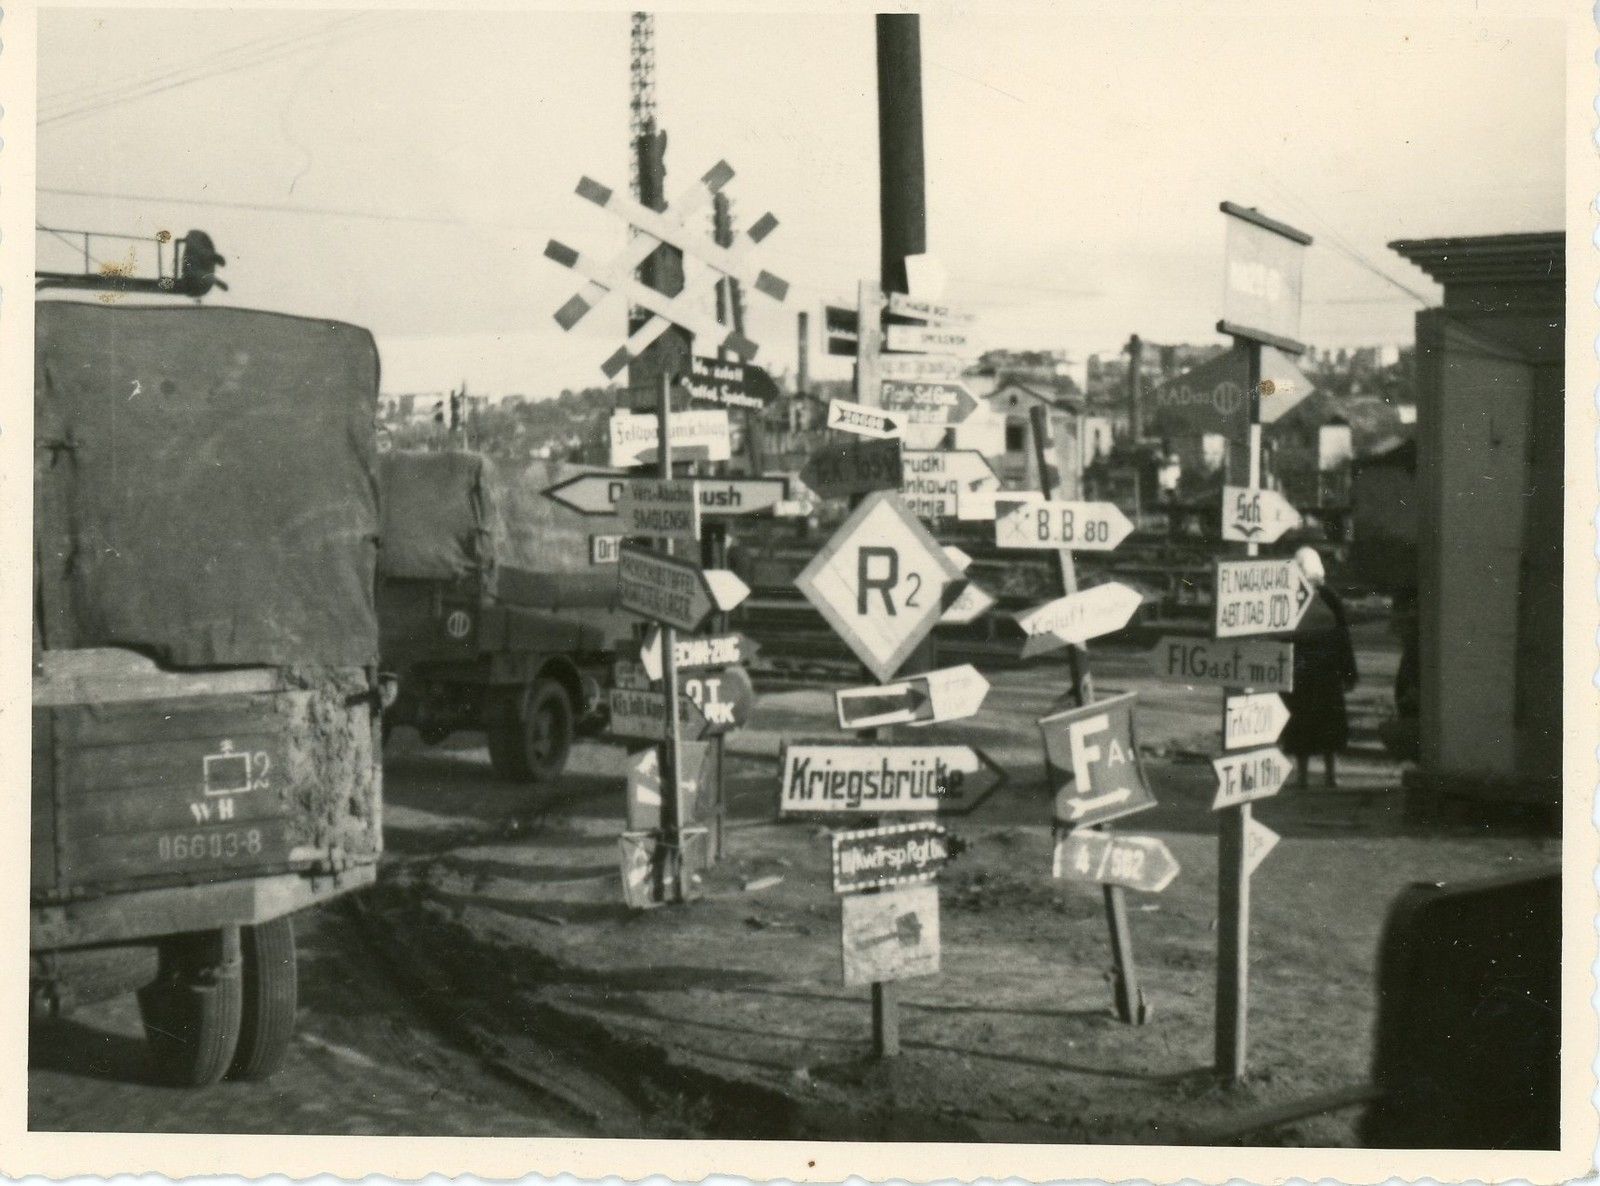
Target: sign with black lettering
x=1260 y=596
x=880 y=582
x=1266 y=665
x=866 y=778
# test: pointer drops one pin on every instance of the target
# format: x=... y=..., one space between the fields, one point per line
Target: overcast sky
x=1076 y=156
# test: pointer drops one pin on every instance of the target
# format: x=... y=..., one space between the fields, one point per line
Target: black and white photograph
x=897 y=585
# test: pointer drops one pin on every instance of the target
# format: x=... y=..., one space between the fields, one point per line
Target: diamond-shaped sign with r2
x=880 y=582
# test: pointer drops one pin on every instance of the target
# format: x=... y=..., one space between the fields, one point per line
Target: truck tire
x=504 y=727
x=270 y=989
x=192 y=1011
x=548 y=720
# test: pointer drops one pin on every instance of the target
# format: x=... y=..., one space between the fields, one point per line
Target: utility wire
x=57 y=102
x=282 y=53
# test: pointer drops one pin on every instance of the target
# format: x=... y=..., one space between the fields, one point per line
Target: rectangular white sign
x=1260 y=597
x=928 y=339
x=700 y=434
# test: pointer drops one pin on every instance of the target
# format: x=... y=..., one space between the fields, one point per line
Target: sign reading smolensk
x=1260 y=596
x=1253 y=719
x=1079 y=526
x=674 y=591
x=1256 y=516
x=880 y=582
x=1078 y=617
x=899 y=854
x=867 y=778
x=663 y=509
x=1252 y=774
x=1135 y=862
x=1095 y=748
x=1266 y=664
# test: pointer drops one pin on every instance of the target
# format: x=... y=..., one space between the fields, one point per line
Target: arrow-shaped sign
x=674 y=591
x=862 y=420
x=698 y=652
x=1137 y=862
x=1260 y=596
x=1259 y=840
x=919 y=367
x=1249 y=775
x=600 y=494
x=1256 y=516
x=1075 y=526
x=868 y=778
x=661 y=508
x=1265 y=663
x=928 y=402
x=644 y=715
x=972 y=602
x=951 y=694
x=1256 y=718
x=1078 y=617
x=855 y=467
x=902 y=305
x=928 y=339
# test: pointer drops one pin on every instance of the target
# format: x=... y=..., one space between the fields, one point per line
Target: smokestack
x=1135 y=410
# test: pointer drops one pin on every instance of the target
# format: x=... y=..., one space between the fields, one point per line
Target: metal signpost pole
x=1233 y=879
x=1128 y=993
x=675 y=870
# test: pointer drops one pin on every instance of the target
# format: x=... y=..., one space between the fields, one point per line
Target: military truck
x=476 y=642
x=206 y=697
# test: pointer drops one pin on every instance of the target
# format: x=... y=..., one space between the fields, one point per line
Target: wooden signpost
x=1261 y=306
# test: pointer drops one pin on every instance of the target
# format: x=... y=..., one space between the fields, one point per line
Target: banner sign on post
x=1264 y=664
x=1262 y=278
x=893 y=935
x=899 y=854
x=1095 y=747
x=1141 y=863
x=1260 y=596
x=869 y=778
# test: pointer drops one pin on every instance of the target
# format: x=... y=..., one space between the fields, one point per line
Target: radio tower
x=642 y=89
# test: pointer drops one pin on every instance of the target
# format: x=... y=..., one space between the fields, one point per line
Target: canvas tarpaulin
x=205 y=484
x=439 y=521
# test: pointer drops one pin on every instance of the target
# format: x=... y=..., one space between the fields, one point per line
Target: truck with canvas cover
x=474 y=641
x=206 y=756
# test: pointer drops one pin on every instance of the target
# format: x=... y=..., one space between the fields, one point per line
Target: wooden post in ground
x=675 y=870
x=1126 y=990
x=1233 y=879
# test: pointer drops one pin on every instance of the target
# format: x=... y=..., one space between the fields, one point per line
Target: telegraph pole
x=902 y=200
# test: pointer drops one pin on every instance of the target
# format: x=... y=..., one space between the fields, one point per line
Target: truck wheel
x=192 y=1012
x=269 y=986
x=504 y=727
x=547 y=725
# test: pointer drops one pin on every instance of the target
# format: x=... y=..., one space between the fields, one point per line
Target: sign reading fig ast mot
x=1266 y=664
x=674 y=591
x=898 y=854
x=1141 y=863
x=1256 y=516
x=867 y=778
x=952 y=694
x=1260 y=596
x=1096 y=748
x=880 y=582
x=1076 y=526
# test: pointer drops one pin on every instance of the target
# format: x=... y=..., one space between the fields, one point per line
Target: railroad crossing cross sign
x=1096 y=747
x=880 y=582
x=1260 y=596
x=617 y=274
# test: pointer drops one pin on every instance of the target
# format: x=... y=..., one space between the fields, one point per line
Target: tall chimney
x=803 y=367
x=1135 y=384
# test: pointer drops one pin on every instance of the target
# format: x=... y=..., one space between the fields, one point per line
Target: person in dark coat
x=1324 y=670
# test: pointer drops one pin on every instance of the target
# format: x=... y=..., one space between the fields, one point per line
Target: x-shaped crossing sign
x=671 y=228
